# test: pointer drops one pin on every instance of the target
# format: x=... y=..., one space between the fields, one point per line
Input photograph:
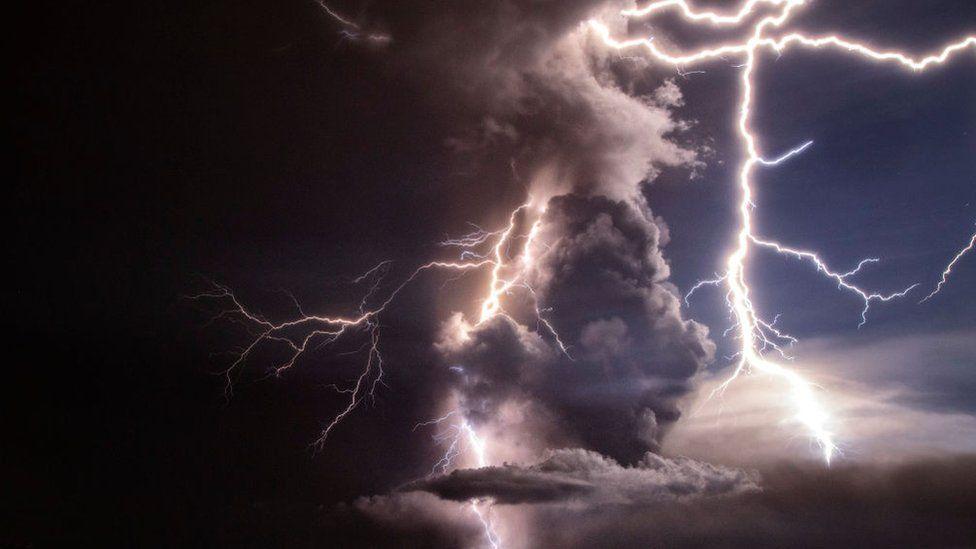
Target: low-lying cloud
x=585 y=476
x=677 y=503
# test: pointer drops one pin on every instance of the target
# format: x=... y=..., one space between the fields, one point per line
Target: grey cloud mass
x=536 y=98
x=603 y=278
x=525 y=87
x=926 y=503
x=583 y=475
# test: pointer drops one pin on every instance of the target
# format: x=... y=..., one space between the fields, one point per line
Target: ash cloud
x=521 y=81
x=537 y=105
x=605 y=279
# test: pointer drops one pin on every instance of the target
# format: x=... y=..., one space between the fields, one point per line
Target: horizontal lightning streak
x=714 y=18
x=840 y=278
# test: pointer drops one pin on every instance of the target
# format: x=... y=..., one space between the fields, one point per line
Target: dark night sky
x=158 y=144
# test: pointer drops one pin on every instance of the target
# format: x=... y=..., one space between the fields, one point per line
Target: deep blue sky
x=891 y=174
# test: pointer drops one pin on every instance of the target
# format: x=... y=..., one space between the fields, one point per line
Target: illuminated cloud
x=585 y=476
x=577 y=498
x=633 y=355
x=895 y=399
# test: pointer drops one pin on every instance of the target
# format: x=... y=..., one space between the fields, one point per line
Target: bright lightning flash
x=755 y=334
x=948 y=269
x=479 y=250
x=297 y=335
x=459 y=437
x=352 y=30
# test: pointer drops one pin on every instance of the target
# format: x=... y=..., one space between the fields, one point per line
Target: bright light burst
x=754 y=333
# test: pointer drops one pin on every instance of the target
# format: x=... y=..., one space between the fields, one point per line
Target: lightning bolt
x=460 y=436
x=303 y=332
x=755 y=334
x=478 y=447
x=479 y=250
x=948 y=270
x=352 y=30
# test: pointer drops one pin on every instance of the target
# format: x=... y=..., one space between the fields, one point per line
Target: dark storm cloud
x=604 y=278
x=583 y=475
x=508 y=484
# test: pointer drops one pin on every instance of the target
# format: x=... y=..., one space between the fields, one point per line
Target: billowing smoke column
x=630 y=354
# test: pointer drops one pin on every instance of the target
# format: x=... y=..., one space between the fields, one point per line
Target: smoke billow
x=533 y=99
x=633 y=356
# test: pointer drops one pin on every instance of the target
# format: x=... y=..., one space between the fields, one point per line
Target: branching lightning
x=297 y=335
x=459 y=437
x=479 y=250
x=755 y=334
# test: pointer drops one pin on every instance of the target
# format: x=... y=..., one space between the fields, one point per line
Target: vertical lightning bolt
x=478 y=447
x=459 y=437
x=755 y=334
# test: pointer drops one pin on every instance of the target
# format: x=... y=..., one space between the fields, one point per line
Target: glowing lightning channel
x=352 y=30
x=478 y=447
x=754 y=333
x=298 y=334
x=347 y=22
x=948 y=269
x=786 y=156
x=463 y=437
x=713 y=18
